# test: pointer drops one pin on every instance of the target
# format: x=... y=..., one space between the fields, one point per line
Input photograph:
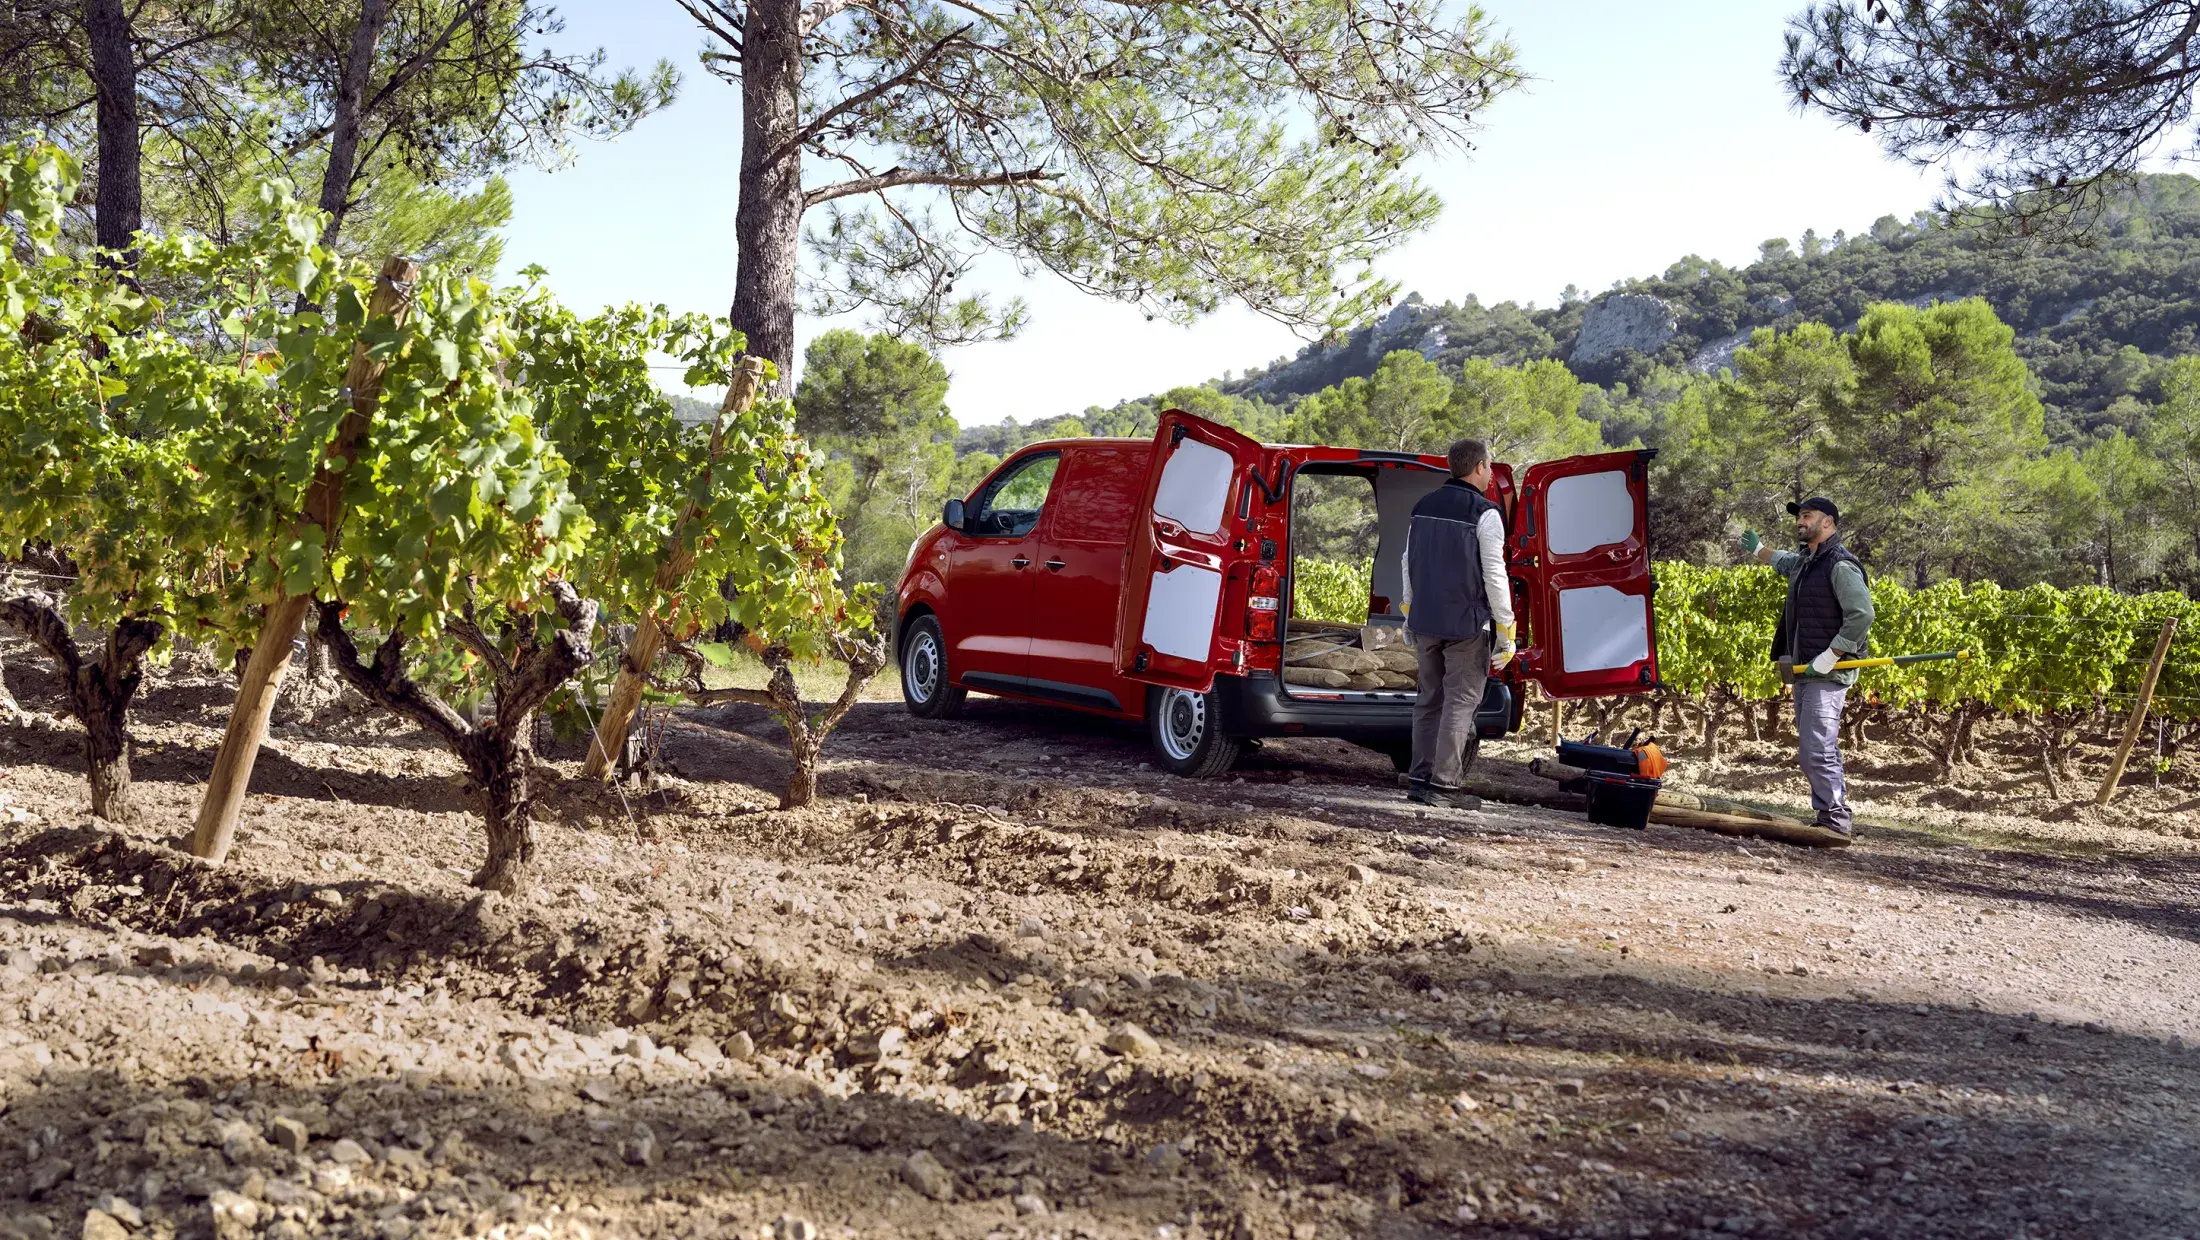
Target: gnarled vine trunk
x=501 y=759
x=1714 y=707
x=806 y=733
x=499 y=751
x=100 y=690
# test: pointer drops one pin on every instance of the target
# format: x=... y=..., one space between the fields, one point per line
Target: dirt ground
x=1007 y=980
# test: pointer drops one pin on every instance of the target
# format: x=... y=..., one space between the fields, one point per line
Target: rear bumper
x=1254 y=705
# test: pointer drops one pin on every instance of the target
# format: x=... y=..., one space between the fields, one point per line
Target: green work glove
x=1750 y=542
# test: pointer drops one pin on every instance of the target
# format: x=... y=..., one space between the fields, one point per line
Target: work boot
x=1449 y=798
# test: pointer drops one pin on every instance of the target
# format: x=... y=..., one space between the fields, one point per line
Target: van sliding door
x=1181 y=552
x=1582 y=546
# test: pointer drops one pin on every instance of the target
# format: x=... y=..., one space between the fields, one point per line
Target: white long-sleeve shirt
x=1489 y=537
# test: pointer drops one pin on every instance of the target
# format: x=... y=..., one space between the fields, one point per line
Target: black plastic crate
x=1621 y=801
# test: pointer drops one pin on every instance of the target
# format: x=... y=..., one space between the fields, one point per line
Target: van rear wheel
x=925 y=689
x=1187 y=734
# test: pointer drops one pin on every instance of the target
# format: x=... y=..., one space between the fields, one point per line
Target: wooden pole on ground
x=1675 y=808
x=641 y=649
x=2138 y=713
x=263 y=674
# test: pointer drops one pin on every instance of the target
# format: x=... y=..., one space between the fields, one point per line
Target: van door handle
x=1021 y=562
x=1055 y=566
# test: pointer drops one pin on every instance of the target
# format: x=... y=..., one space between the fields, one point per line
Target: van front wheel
x=924 y=684
x=1187 y=734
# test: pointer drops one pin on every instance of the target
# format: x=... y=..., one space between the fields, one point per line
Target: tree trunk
x=107 y=758
x=120 y=207
x=768 y=224
x=101 y=692
x=1950 y=749
x=1712 y=710
x=1772 y=719
x=2046 y=736
x=802 y=783
x=351 y=90
x=805 y=733
x=498 y=753
x=502 y=763
x=99 y=689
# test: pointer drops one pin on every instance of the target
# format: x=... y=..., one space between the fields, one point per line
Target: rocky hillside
x=2091 y=320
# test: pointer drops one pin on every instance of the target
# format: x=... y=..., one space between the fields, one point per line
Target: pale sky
x=1651 y=131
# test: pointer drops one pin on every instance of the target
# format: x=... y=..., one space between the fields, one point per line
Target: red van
x=1155 y=581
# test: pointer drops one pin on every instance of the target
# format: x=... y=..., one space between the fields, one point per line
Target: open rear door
x=1581 y=545
x=1181 y=553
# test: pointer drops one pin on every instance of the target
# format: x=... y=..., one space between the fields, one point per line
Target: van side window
x=1009 y=508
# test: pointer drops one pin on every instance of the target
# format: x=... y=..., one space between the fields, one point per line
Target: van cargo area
x=1345 y=639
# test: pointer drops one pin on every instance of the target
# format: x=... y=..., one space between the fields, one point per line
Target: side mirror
x=951 y=515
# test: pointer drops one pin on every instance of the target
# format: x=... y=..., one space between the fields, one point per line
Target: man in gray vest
x=1828 y=617
x=1459 y=609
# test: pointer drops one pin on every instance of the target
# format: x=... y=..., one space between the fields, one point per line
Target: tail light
x=1262 y=603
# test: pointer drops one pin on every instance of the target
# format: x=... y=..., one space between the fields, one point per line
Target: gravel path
x=1002 y=980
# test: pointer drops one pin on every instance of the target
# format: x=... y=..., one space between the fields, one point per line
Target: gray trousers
x=1818 y=706
x=1452 y=677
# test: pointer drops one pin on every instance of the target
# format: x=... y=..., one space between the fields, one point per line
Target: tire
x=925 y=688
x=1185 y=735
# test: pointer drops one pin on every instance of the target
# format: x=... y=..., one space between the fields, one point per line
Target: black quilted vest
x=1446 y=563
x=1812 y=617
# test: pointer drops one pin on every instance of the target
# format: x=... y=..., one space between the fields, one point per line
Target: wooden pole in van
x=263 y=674
x=649 y=635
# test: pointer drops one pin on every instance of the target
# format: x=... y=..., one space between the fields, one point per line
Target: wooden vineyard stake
x=2138 y=713
x=641 y=649
x=263 y=674
x=1558 y=719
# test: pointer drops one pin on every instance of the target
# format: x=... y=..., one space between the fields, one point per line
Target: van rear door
x=1581 y=546
x=1181 y=553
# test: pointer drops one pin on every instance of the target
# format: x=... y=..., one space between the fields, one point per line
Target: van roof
x=1327 y=452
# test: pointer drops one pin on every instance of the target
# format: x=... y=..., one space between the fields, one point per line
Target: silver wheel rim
x=1183 y=723
x=920 y=668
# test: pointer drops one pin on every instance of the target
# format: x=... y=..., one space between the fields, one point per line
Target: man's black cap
x=1816 y=503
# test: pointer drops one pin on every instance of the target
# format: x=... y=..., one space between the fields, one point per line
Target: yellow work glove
x=1501 y=650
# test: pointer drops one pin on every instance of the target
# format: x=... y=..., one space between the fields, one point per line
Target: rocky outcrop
x=1718 y=354
x=1411 y=324
x=1620 y=322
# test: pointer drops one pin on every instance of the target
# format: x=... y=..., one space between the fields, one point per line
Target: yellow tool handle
x=1895 y=660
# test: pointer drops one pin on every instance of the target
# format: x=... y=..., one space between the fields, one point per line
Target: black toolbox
x=1621 y=800
x=1620 y=795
